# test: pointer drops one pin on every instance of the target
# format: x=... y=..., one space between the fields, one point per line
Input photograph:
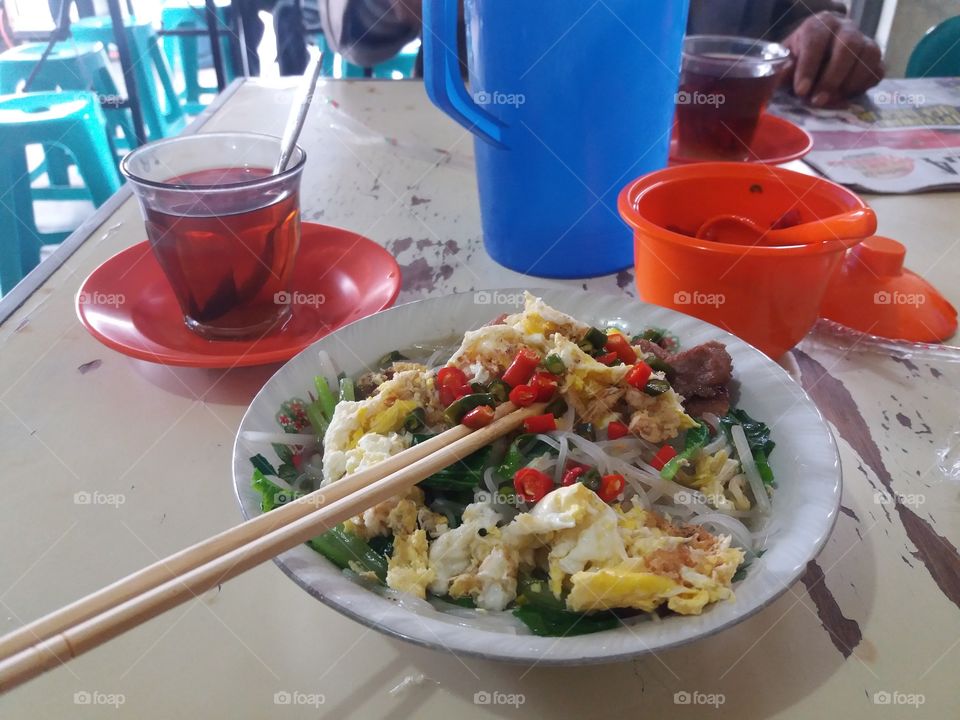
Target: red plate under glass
x=776 y=141
x=127 y=304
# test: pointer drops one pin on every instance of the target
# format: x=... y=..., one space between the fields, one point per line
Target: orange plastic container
x=769 y=296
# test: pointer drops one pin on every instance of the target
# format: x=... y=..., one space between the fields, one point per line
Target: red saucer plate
x=127 y=304
x=775 y=142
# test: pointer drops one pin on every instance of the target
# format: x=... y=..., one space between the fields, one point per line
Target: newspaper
x=902 y=137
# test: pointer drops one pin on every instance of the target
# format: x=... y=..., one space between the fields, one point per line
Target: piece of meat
x=701 y=375
x=719 y=404
x=701 y=371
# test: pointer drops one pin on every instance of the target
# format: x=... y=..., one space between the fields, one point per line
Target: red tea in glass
x=225 y=237
x=725 y=84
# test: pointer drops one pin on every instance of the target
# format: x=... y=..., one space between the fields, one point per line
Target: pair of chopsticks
x=103 y=615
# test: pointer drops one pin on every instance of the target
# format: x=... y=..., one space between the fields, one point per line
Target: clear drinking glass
x=725 y=84
x=223 y=227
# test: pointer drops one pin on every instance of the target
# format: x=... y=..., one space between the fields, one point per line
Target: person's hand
x=832 y=59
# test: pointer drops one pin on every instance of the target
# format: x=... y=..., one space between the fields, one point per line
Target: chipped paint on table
x=111 y=462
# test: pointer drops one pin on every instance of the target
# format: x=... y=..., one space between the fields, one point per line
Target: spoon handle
x=301 y=105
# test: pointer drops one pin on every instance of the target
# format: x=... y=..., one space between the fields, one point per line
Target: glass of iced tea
x=223 y=227
x=725 y=84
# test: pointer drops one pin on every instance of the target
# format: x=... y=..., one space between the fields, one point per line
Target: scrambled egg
x=486 y=353
x=538 y=322
x=597 y=556
x=473 y=560
x=362 y=433
x=591 y=387
x=400 y=515
x=408 y=568
x=579 y=528
x=657 y=418
x=716 y=476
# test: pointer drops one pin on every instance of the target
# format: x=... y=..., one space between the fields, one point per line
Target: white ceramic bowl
x=805 y=505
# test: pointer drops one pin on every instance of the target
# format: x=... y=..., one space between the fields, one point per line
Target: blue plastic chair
x=71 y=121
x=938 y=52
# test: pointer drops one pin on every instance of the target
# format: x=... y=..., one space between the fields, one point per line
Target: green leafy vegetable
x=536 y=591
x=461 y=476
x=325 y=396
x=523 y=449
x=347 y=390
x=271 y=494
x=318 y=421
x=262 y=464
x=696 y=438
x=342 y=547
x=390 y=358
x=548 y=622
x=758 y=437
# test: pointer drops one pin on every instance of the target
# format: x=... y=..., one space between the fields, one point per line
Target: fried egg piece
x=657 y=418
x=591 y=387
x=364 y=432
x=408 y=568
x=539 y=322
x=472 y=560
x=579 y=528
x=485 y=353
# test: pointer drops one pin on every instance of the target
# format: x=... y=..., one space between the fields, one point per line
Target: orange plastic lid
x=872 y=292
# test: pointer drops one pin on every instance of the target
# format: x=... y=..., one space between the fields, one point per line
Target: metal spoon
x=298 y=112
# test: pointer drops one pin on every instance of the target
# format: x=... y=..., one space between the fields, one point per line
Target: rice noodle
x=434 y=360
x=490 y=481
x=728 y=526
x=551 y=441
x=566 y=422
x=561 y=460
x=328 y=369
x=750 y=469
x=717 y=444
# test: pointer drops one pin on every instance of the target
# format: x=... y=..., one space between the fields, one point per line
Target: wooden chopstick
x=109 y=612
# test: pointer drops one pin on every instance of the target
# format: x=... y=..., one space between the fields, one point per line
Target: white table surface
x=877 y=612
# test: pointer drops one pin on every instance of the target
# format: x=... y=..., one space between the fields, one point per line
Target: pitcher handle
x=441 y=70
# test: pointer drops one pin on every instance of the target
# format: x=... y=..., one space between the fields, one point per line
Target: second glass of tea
x=725 y=84
x=224 y=228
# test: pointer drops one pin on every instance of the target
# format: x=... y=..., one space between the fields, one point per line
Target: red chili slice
x=478 y=417
x=617 y=430
x=610 y=487
x=523 y=395
x=619 y=344
x=639 y=374
x=532 y=484
x=540 y=423
x=521 y=368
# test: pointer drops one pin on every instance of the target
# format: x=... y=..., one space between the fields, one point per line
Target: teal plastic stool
x=71 y=65
x=181 y=50
x=403 y=62
x=938 y=52
x=162 y=112
x=69 y=120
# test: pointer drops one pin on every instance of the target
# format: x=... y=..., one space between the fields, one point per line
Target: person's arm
x=832 y=59
x=368 y=32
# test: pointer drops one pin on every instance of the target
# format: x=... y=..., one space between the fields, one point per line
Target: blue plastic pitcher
x=568 y=101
